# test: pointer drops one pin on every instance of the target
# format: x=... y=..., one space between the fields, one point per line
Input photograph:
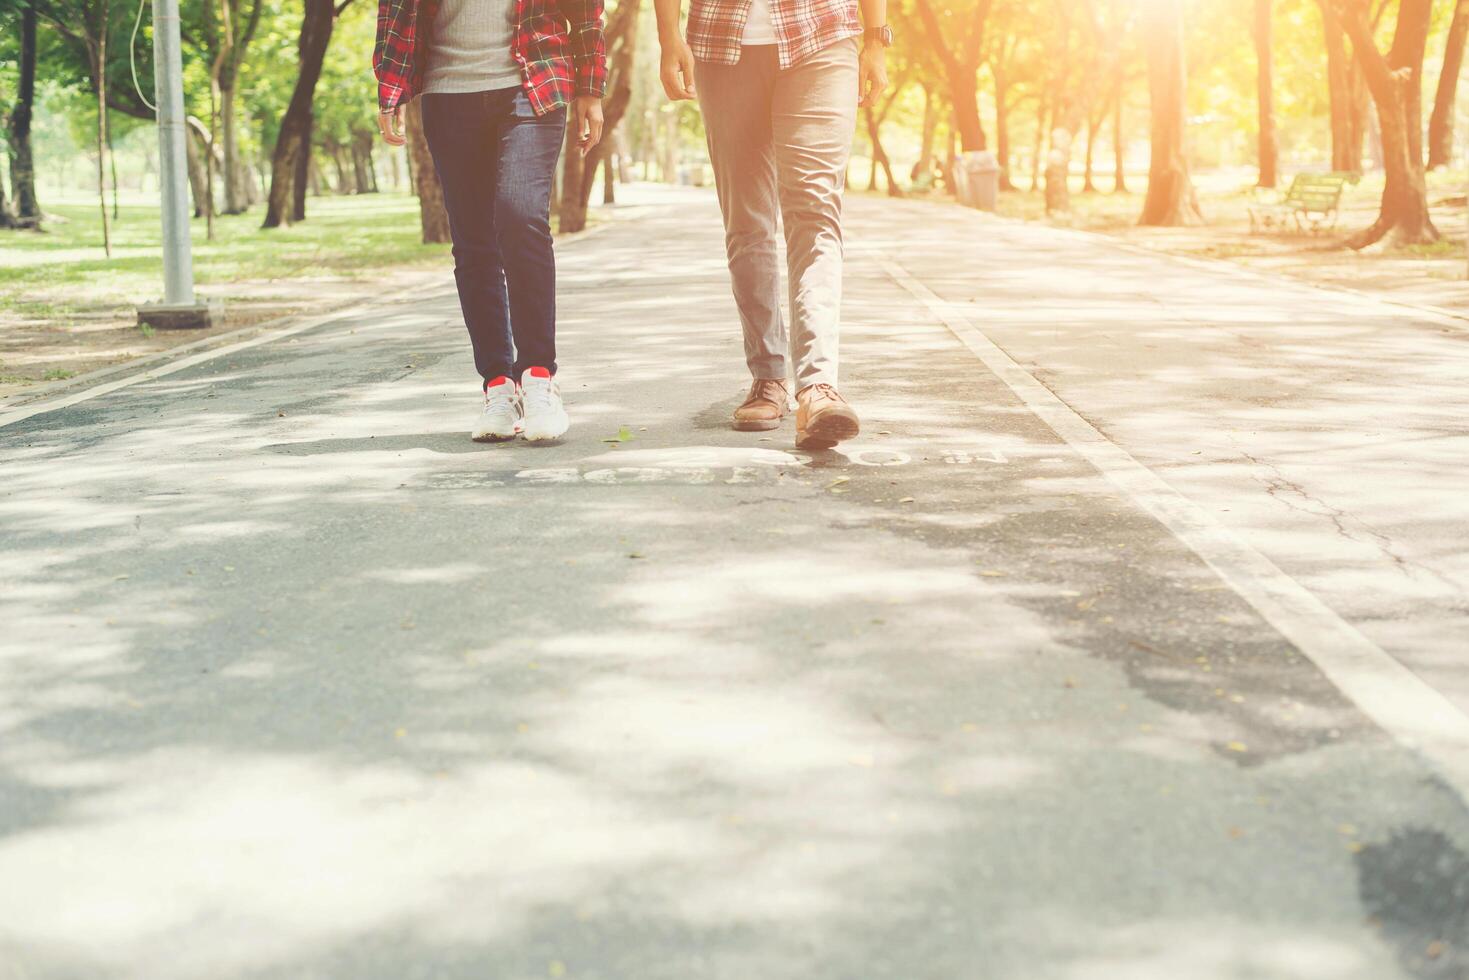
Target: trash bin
x=979 y=183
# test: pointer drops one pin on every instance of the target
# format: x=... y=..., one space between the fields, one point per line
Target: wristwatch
x=882 y=35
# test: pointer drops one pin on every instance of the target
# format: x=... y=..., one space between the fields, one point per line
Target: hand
x=677 y=70
x=586 y=115
x=390 y=123
x=872 y=74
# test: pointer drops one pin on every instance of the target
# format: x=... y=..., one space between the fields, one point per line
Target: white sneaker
x=500 y=419
x=540 y=403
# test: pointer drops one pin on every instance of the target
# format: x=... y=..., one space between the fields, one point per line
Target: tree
x=1395 y=80
x=85 y=23
x=1085 y=48
x=1347 y=91
x=579 y=173
x=1268 y=146
x=1441 y=122
x=291 y=160
x=222 y=34
x=960 y=60
x=432 y=215
x=27 y=210
x=1171 y=197
x=1119 y=145
x=874 y=117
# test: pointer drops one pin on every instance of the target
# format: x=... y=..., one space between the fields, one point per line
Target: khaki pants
x=779 y=142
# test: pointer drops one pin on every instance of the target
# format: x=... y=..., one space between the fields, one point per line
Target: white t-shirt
x=759 y=28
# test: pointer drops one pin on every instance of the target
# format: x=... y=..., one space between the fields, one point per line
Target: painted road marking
x=1399 y=701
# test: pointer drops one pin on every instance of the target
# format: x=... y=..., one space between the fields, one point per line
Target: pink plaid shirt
x=802 y=28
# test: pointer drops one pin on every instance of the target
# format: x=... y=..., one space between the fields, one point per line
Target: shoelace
x=540 y=395
x=768 y=390
x=823 y=390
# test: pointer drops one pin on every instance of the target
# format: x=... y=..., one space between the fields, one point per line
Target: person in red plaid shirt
x=779 y=83
x=496 y=79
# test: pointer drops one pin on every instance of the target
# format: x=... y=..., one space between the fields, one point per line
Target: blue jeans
x=496 y=161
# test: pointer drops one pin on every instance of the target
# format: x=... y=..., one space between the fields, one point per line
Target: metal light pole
x=179 y=309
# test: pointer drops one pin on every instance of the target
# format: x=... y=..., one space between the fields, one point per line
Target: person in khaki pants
x=779 y=83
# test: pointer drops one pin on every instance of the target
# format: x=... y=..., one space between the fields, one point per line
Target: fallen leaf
x=636 y=554
x=992 y=573
x=838 y=482
x=906 y=500
x=556 y=969
x=1434 y=950
x=400 y=732
x=1236 y=747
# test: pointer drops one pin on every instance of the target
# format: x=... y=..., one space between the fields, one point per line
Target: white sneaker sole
x=495 y=435
x=546 y=429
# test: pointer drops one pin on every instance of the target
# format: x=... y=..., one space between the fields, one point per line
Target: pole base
x=189 y=316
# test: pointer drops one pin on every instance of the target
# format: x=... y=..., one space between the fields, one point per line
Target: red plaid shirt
x=558 y=45
x=802 y=27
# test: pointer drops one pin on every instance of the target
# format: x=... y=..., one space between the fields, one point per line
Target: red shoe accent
x=539 y=372
x=495 y=381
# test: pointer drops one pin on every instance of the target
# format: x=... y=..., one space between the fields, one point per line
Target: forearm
x=669 y=13
x=874 y=13
x=588 y=45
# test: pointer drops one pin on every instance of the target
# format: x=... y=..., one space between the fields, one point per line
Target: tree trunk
x=235 y=193
x=609 y=180
x=334 y=153
x=290 y=160
x=880 y=155
x=1042 y=115
x=961 y=66
x=22 y=157
x=1441 y=123
x=1268 y=152
x=1395 y=84
x=359 y=172
x=966 y=116
x=362 y=164
x=1119 y=144
x=1002 y=129
x=432 y=216
x=1171 y=198
x=580 y=174
x=1345 y=91
x=308 y=179
x=99 y=75
x=1088 y=184
x=194 y=158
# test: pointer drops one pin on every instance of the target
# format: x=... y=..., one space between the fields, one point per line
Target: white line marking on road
x=172 y=367
x=1398 y=700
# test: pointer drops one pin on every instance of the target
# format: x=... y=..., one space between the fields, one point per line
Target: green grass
x=58 y=374
x=64 y=268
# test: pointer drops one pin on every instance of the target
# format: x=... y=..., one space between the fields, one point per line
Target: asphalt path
x=1128 y=640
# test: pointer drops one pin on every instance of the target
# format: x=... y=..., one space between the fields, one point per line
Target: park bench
x=1312 y=203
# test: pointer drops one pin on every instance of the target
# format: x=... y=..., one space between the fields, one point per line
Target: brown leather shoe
x=763 y=408
x=823 y=418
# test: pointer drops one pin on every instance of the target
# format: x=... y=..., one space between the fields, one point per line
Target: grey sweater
x=471 y=49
